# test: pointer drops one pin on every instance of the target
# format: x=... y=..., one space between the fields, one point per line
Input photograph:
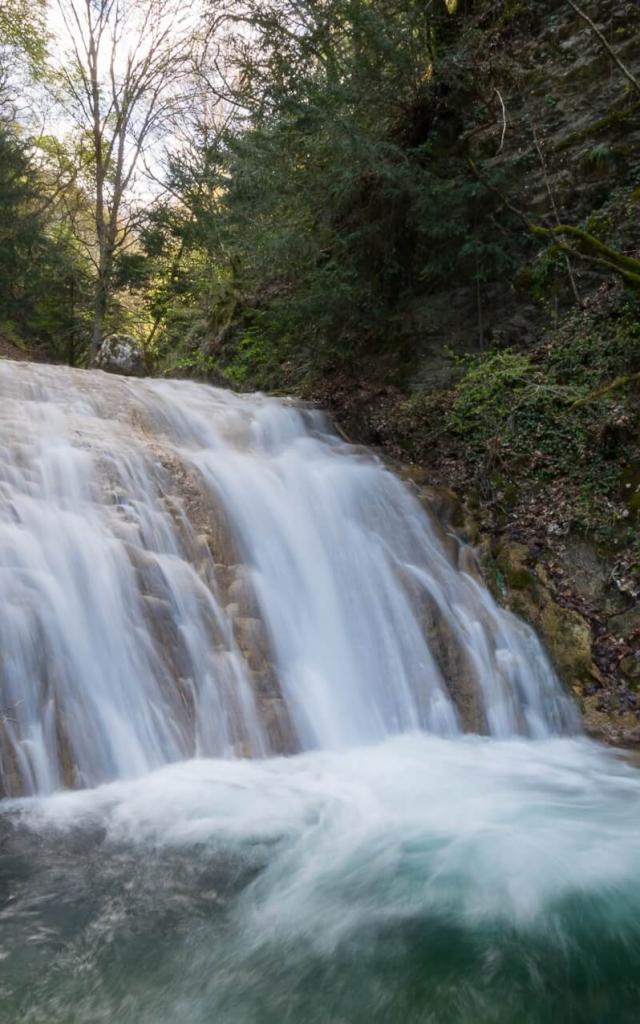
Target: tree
x=128 y=63
x=327 y=213
x=22 y=29
x=44 y=276
x=23 y=48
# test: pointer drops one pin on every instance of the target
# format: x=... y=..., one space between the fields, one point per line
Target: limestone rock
x=615 y=729
x=253 y=641
x=242 y=594
x=569 y=640
x=122 y=354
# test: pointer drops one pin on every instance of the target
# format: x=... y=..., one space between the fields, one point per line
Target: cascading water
x=188 y=572
x=194 y=583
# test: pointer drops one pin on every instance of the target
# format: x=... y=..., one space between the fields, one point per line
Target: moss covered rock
x=566 y=634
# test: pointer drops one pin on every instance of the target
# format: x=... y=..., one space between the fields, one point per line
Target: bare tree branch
x=128 y=62
x=504 y=122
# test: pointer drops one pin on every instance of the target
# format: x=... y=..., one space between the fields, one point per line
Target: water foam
x=424 y=878
x=124 y=508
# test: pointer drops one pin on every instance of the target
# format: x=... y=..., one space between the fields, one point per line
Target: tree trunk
x=99 y=310
x=71 y=344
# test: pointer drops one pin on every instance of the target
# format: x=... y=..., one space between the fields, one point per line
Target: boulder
x=123 y=354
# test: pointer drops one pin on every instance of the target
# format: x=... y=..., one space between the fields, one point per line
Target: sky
x=62 y=119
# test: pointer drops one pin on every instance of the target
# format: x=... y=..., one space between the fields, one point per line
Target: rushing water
x=189 y=577
x=127 y=507
x=454 y=881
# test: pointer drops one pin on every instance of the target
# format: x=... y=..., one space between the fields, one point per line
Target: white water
x=501 y=831
x=122 y=506
x=423 y=879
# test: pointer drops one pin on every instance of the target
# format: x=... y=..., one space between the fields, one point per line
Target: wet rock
x=66 y=757
x=280 y=729
x=568 y=637
x=456 y=669
x=241 y=594
x=618 y=730
x=449 y=654
x=608 y=709
x=511 y=561
x=264 y=683
x=443 y=504
x=468 y=562
x=630 y=666
x=122 y=354
x=566 y=633
x=252 y=640
x=10 y=781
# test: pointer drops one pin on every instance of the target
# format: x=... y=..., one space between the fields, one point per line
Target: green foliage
x=23 y=31
x=196 y=364
x=359 y=177
x=598 y=154
x=485 y=398
x=546 y=271
x=252 y=361
x=591 y=349
x=341 y=197
x=550 y=416
x=44 y=280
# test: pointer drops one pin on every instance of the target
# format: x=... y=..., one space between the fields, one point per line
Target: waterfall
x=270 y=748
x=188 y=572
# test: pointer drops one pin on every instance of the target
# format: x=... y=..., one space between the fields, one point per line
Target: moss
x=520 y=579
x=524 y=421
x=569 y=641
x=493 y=575
x=518 y=426
x=577 y=243
x=485 y=396
x=566 y=633
x=510 y=559
x=512 y=9
x=630 y=666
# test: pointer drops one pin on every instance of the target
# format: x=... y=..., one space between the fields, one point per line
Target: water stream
x=269 y=752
